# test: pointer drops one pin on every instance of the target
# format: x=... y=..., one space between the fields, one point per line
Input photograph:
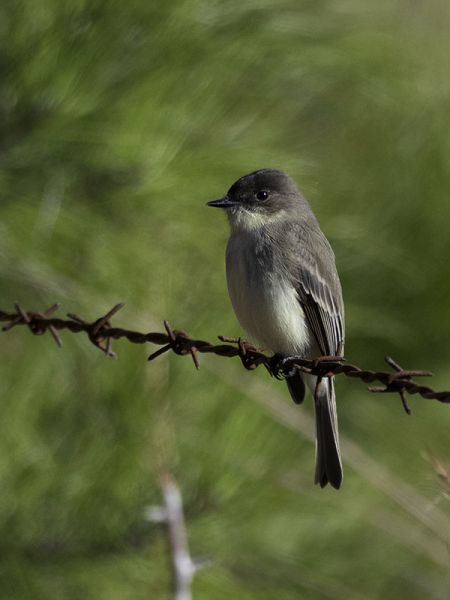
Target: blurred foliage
x=118 y=121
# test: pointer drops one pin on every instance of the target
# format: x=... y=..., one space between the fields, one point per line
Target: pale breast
x=264 y=301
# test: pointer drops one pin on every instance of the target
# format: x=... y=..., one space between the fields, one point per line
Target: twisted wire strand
x=101 y=333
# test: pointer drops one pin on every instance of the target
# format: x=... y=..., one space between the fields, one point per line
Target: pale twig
x=172 y=515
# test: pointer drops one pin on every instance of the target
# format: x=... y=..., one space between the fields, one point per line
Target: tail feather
x=296 y=387
x=328 y=456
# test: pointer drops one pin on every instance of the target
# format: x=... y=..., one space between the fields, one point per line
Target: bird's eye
x=262 y=195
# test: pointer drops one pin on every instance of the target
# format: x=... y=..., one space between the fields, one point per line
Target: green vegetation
x=118 y=121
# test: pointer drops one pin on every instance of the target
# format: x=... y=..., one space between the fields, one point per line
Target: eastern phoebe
x=286 y=293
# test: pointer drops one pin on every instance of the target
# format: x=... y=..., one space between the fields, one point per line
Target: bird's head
x=259 y=198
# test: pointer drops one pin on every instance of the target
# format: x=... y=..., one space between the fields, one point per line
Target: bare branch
x=183 y=566
x=101 y=333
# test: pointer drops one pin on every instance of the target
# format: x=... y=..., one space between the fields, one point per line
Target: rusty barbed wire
x=101 y=333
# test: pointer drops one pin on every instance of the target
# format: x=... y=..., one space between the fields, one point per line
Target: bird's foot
x=280 y=368
x=283 y=367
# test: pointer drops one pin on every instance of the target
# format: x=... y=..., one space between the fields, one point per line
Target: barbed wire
x=101 y=333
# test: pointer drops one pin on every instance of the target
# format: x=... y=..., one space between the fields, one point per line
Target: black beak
x=222 y=202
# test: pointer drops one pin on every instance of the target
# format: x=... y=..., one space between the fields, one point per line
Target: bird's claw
x=280 y=367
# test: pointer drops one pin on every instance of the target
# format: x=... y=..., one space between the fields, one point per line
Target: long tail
x=328 y=455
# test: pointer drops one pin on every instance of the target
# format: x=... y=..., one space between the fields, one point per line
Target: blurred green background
x=118 y=121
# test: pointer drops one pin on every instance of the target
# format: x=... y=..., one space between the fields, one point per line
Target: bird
x=286 y=293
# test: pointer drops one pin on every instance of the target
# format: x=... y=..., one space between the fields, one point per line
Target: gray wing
x=319 y=290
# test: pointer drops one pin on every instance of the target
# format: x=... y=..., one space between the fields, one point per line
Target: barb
x=101 y=333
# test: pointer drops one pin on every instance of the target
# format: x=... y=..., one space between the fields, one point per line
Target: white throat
x=242 y=219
